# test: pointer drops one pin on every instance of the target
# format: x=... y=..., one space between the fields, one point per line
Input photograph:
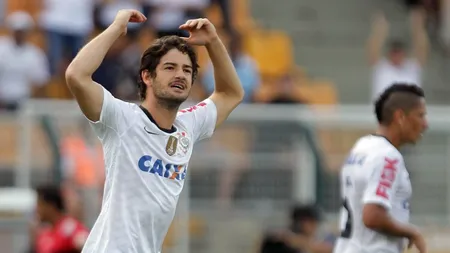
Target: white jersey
x=145 y=171
x=374 y=172
x=341 y=245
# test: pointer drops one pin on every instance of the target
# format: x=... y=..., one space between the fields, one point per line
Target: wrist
x=412 y=232
x=118 y=27
x=213 y=41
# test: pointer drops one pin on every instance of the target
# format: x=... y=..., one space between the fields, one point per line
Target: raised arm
x=88 y=93
x=228 y=92
x=419 y=36
x=377 y=38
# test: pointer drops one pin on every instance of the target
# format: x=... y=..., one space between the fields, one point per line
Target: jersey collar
x=150 y=117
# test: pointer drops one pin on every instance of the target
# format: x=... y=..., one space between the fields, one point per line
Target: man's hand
x=126 y=16
x=418 y=241
x=201 y=31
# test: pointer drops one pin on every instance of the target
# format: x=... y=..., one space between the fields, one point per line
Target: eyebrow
x=174 y=64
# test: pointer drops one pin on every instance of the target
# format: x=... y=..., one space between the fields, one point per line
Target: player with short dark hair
x=148 y=146
x=60 y=233
x=375 y=185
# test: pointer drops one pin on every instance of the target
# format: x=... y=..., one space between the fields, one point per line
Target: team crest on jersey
x=171 y=146
x=184 y=142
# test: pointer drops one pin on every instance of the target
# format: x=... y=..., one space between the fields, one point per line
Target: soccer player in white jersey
x=147 y=148
x=375 y=182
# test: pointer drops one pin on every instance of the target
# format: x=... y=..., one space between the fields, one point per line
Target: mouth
x=178 y=85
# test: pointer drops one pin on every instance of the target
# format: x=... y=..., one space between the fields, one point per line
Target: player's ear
x=146 y=77
x=399 y=116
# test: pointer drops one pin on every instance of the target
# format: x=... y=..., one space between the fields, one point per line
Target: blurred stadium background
x=309 y=103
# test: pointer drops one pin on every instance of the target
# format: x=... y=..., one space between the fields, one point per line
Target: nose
x=425 y=125
x=180 y=74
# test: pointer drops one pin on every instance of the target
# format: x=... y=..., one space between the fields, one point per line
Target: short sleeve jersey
x=374 y=172
x=145 y=172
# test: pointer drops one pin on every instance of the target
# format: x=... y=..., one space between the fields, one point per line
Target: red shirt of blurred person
x=62 y=233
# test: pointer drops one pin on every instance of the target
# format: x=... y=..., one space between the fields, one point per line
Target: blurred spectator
x=432 y=9
x=445 y=23
x=118 y=73
x=165 y=16
x=225 y=10
x=282 y=91
x=83 y=172
x=233 y=139
x=246 y=69
x=67 y=25
x=23 y=66
x=56 y=232
x=397 y=66
x=301 y=236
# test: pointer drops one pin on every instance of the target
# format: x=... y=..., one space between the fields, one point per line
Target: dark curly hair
x=402 y=96
x=152 y=56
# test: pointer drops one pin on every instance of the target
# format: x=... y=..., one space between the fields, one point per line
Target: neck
x=164 y=114
x=390 y=135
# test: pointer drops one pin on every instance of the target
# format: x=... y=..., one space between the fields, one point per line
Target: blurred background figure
x=23 y=66
x=302 y=233
x=245 y=65
x=398 y=65
x=84 y=174
x=118 y=72
x=54 y=231
x=67 y=25
x=167 y=15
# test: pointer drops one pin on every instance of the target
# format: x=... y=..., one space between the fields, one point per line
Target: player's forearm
x=376 y=41
x=382 y=222
x=375 y=45
x=91 y=56
x=225 y=76
x=419 y=34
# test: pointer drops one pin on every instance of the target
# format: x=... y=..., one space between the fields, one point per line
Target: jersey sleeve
x=201 y=118
x=115 y=116
x=383 y=181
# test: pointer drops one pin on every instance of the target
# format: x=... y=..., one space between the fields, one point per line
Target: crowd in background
x=67 y=25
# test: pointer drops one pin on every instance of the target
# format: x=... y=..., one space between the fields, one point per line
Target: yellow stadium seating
x=319 y=92
x=272 y=50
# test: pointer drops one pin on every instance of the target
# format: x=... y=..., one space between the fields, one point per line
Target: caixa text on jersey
x=156 y=166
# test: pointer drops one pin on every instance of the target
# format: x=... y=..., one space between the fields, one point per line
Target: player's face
x=173 y=80
x=416 y=123
x=397 y=57
x=309 y=227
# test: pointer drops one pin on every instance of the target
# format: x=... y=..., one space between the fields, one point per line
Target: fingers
x=137 y=17
x=194 y=24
